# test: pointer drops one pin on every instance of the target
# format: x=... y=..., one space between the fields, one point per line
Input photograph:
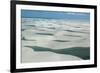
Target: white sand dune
x=46 y=31
x=29 y=55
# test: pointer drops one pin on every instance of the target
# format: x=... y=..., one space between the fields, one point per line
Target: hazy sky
x=56 y=15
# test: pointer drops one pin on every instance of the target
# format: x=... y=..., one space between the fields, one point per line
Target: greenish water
x=75 y=31
x=72 y=35
x=61 y=41
x=82 y=52
x=44 y=33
